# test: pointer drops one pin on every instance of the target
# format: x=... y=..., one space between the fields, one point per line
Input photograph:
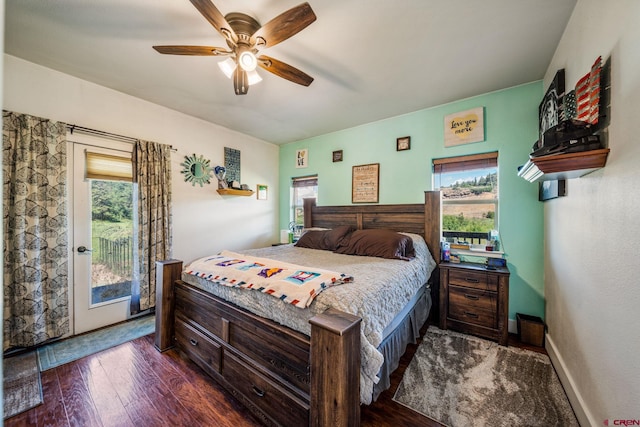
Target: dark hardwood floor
x=135 y=385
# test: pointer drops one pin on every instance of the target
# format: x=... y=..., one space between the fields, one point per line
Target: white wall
x=592 y=271
x=203 y=221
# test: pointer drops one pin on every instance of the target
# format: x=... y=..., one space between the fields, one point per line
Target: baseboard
x=585 y=418
x=512 y=325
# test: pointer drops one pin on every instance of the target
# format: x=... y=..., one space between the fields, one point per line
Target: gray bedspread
x=381 y=288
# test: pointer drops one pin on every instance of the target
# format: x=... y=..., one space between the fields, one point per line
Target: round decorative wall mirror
x=196 y=170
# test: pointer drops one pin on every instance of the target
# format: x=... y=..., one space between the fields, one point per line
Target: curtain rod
x=114 y=136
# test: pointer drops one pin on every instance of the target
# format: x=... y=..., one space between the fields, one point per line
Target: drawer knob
x=258 y=392
x=471 y=297
x=193 y=342
x=471 y=280
x=475 y=316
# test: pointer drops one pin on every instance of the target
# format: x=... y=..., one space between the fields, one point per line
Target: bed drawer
x=473 y=279
x=202 y=310
x=469 y=297
x=280 y=354
x=271 y=397
x=204 y=351
x=279 y=350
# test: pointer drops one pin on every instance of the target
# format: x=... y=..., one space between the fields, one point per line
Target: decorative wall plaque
x=365 y=182
x=464 y=127
x=232 y=164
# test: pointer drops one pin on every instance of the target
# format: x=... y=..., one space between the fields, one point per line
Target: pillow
x=378 y=243
x=326 y=240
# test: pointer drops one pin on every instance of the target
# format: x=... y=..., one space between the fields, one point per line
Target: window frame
x=301 y=182
x=468 y=163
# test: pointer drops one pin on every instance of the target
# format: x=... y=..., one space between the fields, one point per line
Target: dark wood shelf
x=563 y=166
x=233 y=192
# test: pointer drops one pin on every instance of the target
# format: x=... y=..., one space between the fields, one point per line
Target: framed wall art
x=302 y=158
x=551 y=105
x=262 y=191
x=552 y=189
x=403 y=143
x=465 y=127
x=365 y=182
x=232 y=164
x=337 y=156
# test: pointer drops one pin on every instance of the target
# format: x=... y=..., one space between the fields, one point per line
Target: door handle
x=83 y=249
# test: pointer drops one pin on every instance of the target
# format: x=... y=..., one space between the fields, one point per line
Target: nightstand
x=475 y=300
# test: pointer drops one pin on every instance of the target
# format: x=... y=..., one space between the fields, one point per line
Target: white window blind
x=108 y=167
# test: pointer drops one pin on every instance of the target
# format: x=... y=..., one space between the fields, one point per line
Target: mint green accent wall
x=511 y=127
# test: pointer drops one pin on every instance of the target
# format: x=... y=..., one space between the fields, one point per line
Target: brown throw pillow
x=326 y=240
x=378 y=243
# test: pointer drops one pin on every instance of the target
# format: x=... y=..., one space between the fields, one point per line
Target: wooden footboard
x=282 y=376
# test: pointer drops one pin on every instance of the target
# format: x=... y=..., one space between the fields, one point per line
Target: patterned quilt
x=291 y=283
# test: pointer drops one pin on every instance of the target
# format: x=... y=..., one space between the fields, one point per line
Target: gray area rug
x=22 y=385
x=459 y=380
x=67 y=350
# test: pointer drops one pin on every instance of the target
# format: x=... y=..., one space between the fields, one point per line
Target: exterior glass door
x=103 y=241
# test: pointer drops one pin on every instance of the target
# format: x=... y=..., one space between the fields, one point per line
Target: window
x=469 y=186
x=110 y=180
x=303 y=187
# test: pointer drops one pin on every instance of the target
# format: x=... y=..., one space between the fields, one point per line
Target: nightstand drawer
x=468 y=297
x=475 y=315
x=473 y=279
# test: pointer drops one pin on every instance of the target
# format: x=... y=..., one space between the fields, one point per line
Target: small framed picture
x=403 y=143
x=552 y=189
x=261 y=192
x=302 y=158
x=337 y=156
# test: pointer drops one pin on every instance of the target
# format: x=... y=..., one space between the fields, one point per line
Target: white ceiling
x=371 y=59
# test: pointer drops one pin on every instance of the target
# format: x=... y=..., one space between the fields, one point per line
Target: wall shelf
x=478 y=252
x=233 y=192
x=563 y=166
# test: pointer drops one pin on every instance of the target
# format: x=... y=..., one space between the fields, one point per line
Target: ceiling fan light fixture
x=247 y=60
x=253 y=77
x=227 y=66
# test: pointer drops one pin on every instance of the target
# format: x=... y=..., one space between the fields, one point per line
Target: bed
x=311 y=366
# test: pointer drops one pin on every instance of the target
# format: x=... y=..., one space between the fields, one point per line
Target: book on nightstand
x=459 y=246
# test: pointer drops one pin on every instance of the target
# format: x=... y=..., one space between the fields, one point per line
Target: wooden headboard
x=422 y=219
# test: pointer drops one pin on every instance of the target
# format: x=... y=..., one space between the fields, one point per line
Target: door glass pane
x=111 y=240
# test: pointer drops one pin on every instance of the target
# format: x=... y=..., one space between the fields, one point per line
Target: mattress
x=381 y=294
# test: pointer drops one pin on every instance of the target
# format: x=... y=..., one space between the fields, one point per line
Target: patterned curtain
x=36 y=300
x=152 y=173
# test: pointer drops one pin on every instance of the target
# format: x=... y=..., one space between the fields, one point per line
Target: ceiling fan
x=246 y=38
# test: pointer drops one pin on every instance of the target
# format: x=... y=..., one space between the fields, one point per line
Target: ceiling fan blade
x=240 y=81
x=193 y=50
x=284 y=70
x=283 y=26
x=215 y=18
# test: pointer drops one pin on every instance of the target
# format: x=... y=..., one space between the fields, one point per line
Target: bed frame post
x=335 y=369
x=167 y=272
x=432 y=222
x=307 y=205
